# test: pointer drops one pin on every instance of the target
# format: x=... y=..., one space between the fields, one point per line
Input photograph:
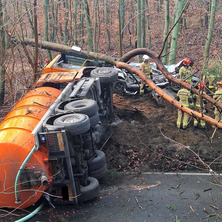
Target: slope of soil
x=145 y=138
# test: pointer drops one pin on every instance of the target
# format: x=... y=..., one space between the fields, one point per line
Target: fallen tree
x=168 y=98
x=125 y=58
x=121 y=63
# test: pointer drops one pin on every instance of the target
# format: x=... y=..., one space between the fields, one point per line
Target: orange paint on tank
x=16 y=141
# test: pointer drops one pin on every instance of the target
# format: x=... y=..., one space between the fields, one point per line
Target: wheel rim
x=71 y=119
x=119 y=87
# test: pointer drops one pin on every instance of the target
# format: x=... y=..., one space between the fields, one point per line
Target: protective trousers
x=182 y=120
x=198 y=108
x=218 y=115
x=200 y=121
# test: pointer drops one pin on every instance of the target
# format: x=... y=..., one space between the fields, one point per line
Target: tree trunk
x=175 y=10
x=82 y=27
x=159 y=91
x=36 y=42
x=210 y=33
x=125 y=58
x=148 y=25
x=6 y=21
x=2 y=57
x=143 y=24
x=175 y=34
x=66 y=29
x=95 y=24
x=89 y=27
x=29 y=16
x=139 y=27
x=75 y=22
x=107 y=24
x=121 y=14
x=166 y=29
x=162 y=68
x=168 y=98
x=46 y=26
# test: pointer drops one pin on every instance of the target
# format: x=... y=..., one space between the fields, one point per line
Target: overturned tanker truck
x=50 y=142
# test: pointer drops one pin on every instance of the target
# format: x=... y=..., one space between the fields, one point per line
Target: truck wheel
x=174 y=87
x=75 y=123
x=85 y=106
x=91 y=190
x=119 y=86
x=48 y=124
x=106 y=74
x=94 y=119
x=99 y=173
x=97 y=162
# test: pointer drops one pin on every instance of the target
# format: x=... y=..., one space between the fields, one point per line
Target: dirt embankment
x=145 y=138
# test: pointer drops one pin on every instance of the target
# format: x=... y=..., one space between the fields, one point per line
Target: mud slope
x=145 y=138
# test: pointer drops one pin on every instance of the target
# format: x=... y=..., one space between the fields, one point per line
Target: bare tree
x=210 y=32
x=2 y=57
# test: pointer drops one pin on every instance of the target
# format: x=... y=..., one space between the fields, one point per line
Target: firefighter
x=211 y=82
x=218 y=97
x=147 y=70
x=185 y=72
x=184 y=97
x=198 y=106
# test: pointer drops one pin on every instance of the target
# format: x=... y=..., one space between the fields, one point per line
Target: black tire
x=99 y=173
x=90 y=191
x=119 y=87
x=85 y=106
x=50 y=128
x=94 y=120
x=174 y=87
x=75 y=123
x=48 y=124
x=98 y=162
x=106 y=74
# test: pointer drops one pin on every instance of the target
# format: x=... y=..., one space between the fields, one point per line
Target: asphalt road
x=146 y=197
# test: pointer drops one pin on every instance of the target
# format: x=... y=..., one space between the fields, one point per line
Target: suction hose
x=32 y=214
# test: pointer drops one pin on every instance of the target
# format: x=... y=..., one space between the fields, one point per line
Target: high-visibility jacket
x=146 y=69
x=184 y=95
x=185 y=74
x=212 y=81
x=218 y=95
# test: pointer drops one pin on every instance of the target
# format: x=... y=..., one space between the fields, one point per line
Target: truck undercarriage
x=63 y=126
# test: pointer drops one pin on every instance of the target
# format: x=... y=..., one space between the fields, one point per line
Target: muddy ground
x=145 y=138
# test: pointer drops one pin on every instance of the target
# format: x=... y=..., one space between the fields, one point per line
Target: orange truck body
x=17 y=138
x=16 y=141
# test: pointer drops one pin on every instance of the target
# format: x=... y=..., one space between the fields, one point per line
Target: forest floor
x=145 y=138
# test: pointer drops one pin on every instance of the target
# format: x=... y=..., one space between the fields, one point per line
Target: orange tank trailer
x=16 y=141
